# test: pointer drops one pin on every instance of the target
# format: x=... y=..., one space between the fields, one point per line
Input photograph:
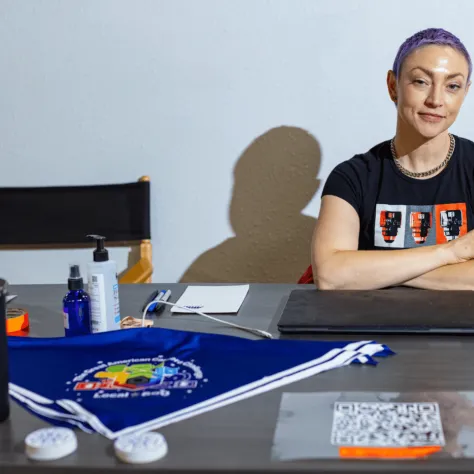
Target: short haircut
x=436 y=36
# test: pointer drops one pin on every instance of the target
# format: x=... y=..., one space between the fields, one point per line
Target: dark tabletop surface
x=239 y=437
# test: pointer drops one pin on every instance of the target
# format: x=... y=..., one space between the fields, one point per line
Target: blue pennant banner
x=135 y=380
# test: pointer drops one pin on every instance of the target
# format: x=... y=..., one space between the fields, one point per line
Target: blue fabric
x=136 y=379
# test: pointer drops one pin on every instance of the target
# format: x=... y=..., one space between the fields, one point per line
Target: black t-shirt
x=397 y=211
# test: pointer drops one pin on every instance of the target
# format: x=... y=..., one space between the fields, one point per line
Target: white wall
x=96 y=91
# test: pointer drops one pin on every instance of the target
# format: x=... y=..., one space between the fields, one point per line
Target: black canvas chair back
x=63 y=216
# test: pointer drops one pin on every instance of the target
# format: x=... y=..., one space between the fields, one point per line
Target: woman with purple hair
x=413 y=194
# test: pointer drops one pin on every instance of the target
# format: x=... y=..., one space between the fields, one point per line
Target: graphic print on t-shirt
x=390 y=225
x=452 y=222
x=406 y=226
x=421 y=226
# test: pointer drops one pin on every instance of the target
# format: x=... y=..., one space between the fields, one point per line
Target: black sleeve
x=345 y=181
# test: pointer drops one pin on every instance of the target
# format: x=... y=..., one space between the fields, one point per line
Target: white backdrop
x=97 y=91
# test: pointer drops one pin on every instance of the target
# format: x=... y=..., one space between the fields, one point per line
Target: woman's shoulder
x=353 y=178
x=365 y=162
x=466 y=144
x=465 y=153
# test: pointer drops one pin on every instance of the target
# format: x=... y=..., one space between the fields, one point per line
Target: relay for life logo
x=140 y=377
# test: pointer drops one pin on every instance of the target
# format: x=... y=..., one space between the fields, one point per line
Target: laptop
x=397 y=310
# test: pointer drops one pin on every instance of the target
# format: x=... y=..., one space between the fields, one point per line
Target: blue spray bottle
x=76 y=305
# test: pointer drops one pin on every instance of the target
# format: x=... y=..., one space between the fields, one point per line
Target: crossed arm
x=337 y=264
x=459 y=276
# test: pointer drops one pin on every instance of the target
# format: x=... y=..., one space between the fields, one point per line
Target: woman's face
x=430 y=89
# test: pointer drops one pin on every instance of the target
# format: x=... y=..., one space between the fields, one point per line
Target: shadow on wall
x=274 y=180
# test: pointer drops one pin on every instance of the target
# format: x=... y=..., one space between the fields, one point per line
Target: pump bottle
x=102 y=285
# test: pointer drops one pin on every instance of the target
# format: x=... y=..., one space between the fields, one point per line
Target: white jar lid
x=141 y=448
x=48 y=444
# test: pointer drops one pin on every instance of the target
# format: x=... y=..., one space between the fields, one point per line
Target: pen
x=153 y=301
x=165 y=297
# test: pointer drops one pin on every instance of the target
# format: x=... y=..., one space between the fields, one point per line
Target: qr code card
x=385 y=424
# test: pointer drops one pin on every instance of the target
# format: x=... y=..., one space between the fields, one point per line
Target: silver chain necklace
x=423 y=174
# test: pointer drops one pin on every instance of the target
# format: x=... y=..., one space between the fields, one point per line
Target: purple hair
x=426 y=37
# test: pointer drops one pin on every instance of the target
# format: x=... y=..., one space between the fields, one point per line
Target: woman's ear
x=392 y=86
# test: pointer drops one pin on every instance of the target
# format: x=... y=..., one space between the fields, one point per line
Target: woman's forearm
x=374 y=269
x=450 y=277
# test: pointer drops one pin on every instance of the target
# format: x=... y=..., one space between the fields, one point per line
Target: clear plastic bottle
x=103 y=289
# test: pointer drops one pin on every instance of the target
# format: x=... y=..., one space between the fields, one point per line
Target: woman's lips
x=432 y=118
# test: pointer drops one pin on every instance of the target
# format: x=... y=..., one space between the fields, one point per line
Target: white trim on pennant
x=50 y=413
x=357 y=346
x=92 y=420
x=29 y=394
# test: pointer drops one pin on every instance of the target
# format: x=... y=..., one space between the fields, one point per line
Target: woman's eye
x=454 y=87
x=419 y=81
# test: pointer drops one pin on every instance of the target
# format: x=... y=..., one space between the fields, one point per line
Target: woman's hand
x=462 y=248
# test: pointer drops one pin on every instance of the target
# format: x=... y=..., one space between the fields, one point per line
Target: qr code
x=387 y=424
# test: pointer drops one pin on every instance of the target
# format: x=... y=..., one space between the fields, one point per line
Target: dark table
x=239 y=437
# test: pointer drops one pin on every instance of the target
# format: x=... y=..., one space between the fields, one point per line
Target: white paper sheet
x=212 y=299
x=10 y=298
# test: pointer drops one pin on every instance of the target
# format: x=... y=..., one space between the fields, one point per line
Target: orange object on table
x=17 y=320
x=388 y=452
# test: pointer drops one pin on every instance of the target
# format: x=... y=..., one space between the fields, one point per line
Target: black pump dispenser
x=100 y=253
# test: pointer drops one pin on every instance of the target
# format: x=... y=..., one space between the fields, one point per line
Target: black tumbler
x=4 y=401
